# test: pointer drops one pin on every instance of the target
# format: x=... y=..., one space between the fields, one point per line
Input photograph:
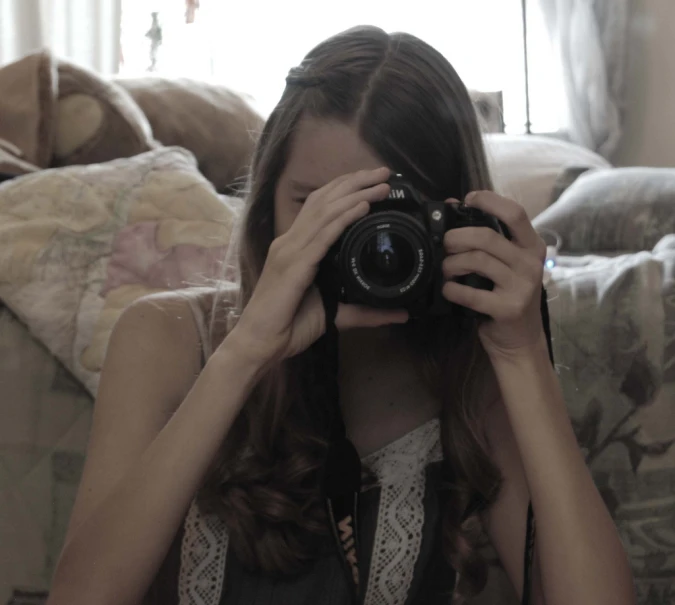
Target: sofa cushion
x=215 y=123
x=96 y=120
x=28 y=110
x=623 y=209
x=534 y=170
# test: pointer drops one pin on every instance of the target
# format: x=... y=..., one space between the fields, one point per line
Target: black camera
x=391 y=258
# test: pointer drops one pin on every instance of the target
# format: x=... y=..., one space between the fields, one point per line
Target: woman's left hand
x=516 y=267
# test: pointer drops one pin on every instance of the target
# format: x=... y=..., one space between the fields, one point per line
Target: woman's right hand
x=285 y=314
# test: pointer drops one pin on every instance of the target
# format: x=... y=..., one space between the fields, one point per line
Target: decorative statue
x=155 y=35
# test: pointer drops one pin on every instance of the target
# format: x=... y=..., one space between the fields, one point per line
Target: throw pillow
x=213 y=122
x=531 y=168
x=28 y=110
x=97 y=121
x=624 y=209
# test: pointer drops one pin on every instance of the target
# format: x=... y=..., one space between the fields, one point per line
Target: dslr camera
x=392 y=257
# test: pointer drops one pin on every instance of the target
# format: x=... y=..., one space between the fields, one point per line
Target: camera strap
x=342 y=467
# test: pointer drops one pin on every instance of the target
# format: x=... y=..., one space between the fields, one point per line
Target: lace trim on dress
x=400 y=470
x=202 y=561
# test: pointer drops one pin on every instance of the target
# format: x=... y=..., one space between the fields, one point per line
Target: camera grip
x=474 y=217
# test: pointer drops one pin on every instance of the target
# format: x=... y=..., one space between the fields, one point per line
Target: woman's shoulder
x=189 y=321
x=212 y=310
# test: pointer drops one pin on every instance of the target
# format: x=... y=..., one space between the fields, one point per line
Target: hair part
x=264 y=482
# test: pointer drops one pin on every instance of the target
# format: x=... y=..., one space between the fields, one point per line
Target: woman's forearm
x=115 y=553
x=581 y=555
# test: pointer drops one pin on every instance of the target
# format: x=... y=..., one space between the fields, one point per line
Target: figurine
x=155 y=35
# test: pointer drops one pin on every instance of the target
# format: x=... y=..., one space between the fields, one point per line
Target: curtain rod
x=528 y=122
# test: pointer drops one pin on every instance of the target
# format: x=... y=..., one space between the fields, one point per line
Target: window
x=249 y=46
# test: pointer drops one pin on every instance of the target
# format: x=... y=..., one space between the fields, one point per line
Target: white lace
x=202 y=559
x=400 y=469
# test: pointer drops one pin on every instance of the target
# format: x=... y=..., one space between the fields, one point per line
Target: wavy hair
x=413 y=110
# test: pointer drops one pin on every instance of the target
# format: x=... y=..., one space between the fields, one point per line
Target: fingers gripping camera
x=392 y=257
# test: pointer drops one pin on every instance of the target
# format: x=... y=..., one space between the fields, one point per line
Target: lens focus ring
x=385 y=259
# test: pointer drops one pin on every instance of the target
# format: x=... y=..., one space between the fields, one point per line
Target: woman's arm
x=148 y=453
x=579 y=556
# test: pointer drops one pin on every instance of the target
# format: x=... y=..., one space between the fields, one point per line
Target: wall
x=649 y=130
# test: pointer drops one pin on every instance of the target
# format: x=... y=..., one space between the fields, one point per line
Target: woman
x=204 y=470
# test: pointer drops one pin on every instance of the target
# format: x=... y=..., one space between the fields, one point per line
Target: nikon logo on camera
x=396 y=194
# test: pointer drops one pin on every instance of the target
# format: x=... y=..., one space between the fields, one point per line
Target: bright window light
x=249 y=46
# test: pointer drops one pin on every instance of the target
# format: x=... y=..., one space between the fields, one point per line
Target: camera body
x=392 y=257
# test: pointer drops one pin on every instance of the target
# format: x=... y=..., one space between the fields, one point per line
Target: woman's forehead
x=322 y=150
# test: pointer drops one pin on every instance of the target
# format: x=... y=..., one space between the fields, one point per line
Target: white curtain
x=590 y=38
x=86 y=32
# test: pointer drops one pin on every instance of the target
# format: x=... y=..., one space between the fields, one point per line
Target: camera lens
x=387 y=259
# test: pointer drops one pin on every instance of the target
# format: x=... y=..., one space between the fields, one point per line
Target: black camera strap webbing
x=342 y=470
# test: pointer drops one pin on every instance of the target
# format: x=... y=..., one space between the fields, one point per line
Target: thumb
x=359 y=316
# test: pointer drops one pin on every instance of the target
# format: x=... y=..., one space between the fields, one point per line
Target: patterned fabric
x=613 y=328
x=616 y=210
x=79 y=244
x=45 y=416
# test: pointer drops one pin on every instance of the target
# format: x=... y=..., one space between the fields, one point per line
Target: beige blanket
x=79 y=244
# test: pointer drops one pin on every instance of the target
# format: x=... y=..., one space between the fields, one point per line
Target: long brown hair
x=413 y=110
